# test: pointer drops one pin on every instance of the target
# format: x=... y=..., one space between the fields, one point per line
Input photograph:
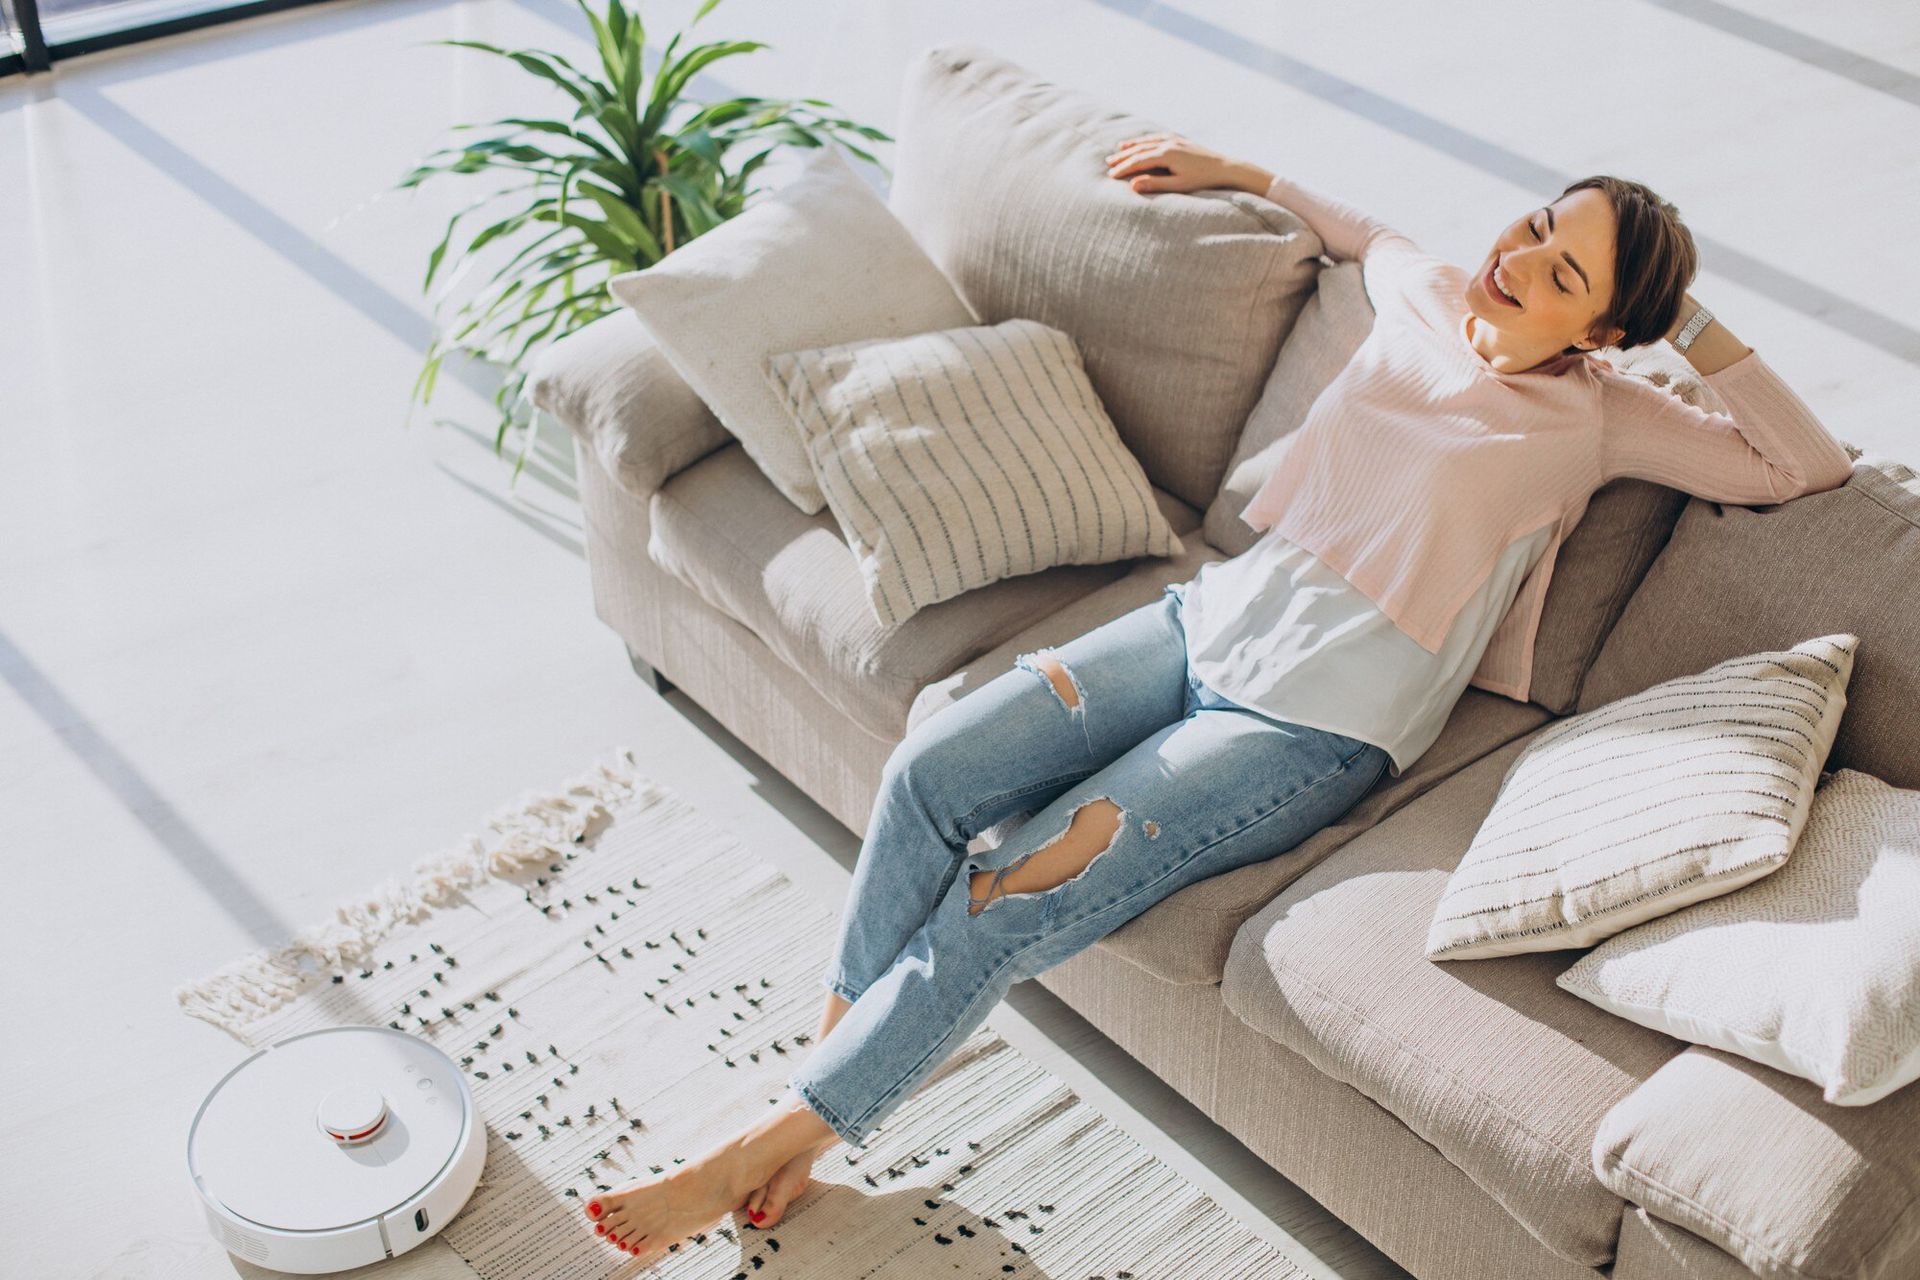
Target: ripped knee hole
x=1046 y=663
x=1092 y=831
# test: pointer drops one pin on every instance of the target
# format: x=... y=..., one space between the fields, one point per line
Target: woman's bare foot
x=643 y=1218
x=773 y=1196
x=647 y=1218
x=788 y=1182
x=792 y=1178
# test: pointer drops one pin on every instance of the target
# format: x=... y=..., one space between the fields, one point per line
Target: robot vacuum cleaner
x=335 y=1148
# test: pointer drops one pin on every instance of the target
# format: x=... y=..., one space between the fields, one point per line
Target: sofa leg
x=644 y=669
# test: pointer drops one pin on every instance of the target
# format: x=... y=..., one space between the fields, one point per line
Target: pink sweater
x=1419 y=464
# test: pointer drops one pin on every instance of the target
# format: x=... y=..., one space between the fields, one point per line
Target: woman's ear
x=1593 y=342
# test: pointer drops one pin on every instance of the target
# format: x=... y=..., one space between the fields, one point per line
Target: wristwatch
x=1684 y=339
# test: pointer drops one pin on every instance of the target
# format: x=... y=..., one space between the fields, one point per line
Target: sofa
x=1472 y=1120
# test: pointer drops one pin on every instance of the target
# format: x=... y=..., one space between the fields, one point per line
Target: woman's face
x=1557 y=261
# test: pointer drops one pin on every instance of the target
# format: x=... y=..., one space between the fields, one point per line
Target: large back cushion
x=1336 y=320
x=1178 y=301
x=1735 y=580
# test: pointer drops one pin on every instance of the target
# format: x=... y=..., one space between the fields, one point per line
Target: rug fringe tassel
x=531 y=829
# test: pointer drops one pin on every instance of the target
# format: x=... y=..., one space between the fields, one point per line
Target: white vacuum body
x=335 y=1148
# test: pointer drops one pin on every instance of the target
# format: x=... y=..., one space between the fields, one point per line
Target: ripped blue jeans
x=1193 y=784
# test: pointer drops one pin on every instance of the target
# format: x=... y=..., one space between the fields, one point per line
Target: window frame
x=37 y=54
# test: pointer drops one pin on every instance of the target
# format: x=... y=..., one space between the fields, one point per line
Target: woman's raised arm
x=1346 y=232
x=1770 y=447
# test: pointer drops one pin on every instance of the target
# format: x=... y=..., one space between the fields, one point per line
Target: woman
x=1410 y=525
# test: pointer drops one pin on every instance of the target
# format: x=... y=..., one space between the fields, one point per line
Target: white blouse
x=1277 y=631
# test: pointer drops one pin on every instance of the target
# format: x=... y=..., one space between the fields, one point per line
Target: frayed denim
x=1202 y=786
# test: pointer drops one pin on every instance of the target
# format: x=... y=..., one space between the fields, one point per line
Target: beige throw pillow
x=819 y=260
x=1686 y=790
x=956 y=458
x=1814 y=970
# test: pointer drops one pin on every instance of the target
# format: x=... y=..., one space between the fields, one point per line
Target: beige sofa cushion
x=1178 y=300
x=1751 y=1159
x=956 y=458
x=1736 y=579
x=1654 y=1250
x=1490 y=1062
x=819 y=260
x=723 y=529
x=613 y=388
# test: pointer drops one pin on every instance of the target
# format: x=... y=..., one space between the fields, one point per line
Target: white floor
x=261 y=645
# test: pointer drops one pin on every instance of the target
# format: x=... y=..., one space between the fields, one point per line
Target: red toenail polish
x=594 y=1208
x=757 y=1215
x=599 y=1229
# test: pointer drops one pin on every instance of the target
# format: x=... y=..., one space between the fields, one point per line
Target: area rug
x=625 y=985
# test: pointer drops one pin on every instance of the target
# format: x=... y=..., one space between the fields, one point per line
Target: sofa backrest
x=1177 y=301
x=1734 y=580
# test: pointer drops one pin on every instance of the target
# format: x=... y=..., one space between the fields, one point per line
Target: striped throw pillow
x=955 y=458
x=1660 y=799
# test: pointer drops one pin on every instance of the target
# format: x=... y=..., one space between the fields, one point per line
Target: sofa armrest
x=613 y=388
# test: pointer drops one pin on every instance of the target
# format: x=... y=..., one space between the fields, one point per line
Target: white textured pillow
x=957 y=458
x=819 y=260
x=1814 y=971
x=1680 y=792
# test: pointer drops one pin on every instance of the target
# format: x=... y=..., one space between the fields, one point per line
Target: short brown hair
x=1654 y=261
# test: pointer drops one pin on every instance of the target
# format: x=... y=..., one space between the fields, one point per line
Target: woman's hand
x=1187 y=166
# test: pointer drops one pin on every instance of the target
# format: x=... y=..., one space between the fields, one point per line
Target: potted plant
x=634 y=171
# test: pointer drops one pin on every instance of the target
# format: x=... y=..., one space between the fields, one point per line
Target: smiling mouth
x=1493 y=287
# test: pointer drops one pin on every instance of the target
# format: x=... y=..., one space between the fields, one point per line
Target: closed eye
x=1556 y=275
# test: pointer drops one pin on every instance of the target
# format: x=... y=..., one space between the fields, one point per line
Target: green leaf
x=603 y=237
x=701 y=143
x=518 y=262
x=695 y=206
x=621 y=127
x=668 y=84
x=529 y=61
x=635 y=75
x=603 y=38
x=439 y=250
x=622 y=217
x=557 y=127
